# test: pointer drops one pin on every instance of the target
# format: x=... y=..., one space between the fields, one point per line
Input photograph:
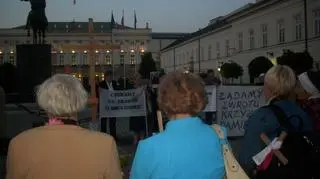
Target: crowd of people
x=188 y=148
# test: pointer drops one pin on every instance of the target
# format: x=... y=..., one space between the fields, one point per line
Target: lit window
x=121 y=59
x=107 y=60
x=73 y=60
x=132 y=59
x=61 y=60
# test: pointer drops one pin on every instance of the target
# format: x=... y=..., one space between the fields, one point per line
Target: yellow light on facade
x=97 y=51
x=273 y=60
x=74 y=75
x=97 y=75
x=85 y=51
x=80 y=75
x=132 y=51
x=0 y=52
x=108 y=51
x=73 y=51
x=142 y=50
x=121 y=51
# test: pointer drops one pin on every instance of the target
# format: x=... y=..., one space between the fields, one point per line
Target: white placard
x=235 y=104
x=212 y=102
x=125 y=103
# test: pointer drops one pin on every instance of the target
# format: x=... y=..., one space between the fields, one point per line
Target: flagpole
x=124 y=71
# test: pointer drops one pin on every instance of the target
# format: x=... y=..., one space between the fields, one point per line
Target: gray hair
x=62 y=95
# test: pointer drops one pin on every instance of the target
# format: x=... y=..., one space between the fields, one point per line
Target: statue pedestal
x=33 y=67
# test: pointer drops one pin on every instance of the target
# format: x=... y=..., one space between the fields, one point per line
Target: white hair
x=62 y=95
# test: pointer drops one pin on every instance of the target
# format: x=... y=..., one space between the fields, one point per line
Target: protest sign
x=212 y=95
x=125 y=103
x=235 y=104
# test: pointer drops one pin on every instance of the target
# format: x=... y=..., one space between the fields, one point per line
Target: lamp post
x=305 y=25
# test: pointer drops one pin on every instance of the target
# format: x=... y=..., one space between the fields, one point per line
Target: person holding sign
x=279 y=84
x=108 y=84
x=187 y=148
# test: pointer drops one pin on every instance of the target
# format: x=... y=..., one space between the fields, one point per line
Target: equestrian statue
x=37 y=20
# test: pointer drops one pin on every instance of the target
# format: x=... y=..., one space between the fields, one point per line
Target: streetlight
x=97 y=51
x=85 y=51
x=121 y=51
x=132 y=51
x=142 y=50
x=11 y=51
x=61 y=51
x=108 y=51
x=0 y=52
x=73 y=51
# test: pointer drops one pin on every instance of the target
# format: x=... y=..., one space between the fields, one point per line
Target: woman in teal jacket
x=188 y=148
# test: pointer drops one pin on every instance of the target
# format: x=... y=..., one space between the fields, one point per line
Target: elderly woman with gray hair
x=61 y=149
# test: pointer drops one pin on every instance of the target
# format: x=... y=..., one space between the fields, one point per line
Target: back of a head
x=182 y=93
x=280 y=80
x=62 y=95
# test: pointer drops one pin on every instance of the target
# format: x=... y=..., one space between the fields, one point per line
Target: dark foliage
x=300 y=62
x=258 y=66
x=147 y=65
x=231 y=70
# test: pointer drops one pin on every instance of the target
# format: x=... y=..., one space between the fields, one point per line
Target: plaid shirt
x=312 y=107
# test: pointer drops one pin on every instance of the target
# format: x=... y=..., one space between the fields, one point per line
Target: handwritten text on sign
x=126 y=103
x=235 y=106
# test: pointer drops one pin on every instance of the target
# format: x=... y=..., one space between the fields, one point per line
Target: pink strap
x=54 y=121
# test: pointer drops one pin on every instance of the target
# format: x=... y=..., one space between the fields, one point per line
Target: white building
x=265 y=27
x=124 y=46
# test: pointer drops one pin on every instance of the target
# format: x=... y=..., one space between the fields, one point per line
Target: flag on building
x=135 y=20
x=113 y=23
x=122 y=19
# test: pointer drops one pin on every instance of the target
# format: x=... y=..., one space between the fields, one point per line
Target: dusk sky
x=163 y=16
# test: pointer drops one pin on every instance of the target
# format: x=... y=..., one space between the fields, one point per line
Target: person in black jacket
x=109 y=84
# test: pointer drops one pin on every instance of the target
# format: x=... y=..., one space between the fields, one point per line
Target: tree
x=147 y=65
x=8 y=77
x=299 y=62
x=258 y=66
x=231 y=70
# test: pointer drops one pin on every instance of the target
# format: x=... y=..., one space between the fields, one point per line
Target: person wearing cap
x=309 y=95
